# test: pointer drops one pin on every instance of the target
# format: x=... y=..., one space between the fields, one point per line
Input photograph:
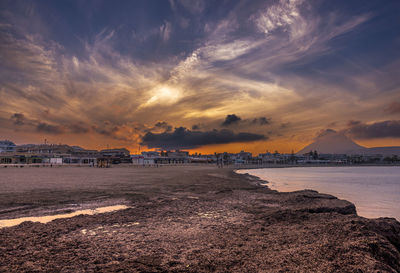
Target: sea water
x=374 y=190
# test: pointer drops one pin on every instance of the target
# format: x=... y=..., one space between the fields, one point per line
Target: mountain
x=332 y=142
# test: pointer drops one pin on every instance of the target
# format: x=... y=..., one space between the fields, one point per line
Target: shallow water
x=49 y=218
x=374 y=190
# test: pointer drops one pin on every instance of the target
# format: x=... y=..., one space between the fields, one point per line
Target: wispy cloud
x=285 y=15
x=165 y=31
x=256 y=60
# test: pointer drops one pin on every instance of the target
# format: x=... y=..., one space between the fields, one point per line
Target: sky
x=204 y=76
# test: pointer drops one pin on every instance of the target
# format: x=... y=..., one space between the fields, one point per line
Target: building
x=203 y=159
x=150 y=154
x=175 y=154
x=7 y=146
x=117 y=156
x=115 y=152
x=44 y=149
x=242 y=157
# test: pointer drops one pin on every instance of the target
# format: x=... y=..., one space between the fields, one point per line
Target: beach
x=184 y=219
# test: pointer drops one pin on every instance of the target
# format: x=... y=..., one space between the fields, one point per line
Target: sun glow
x=164 y=95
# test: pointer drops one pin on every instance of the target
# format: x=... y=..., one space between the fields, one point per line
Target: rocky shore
x=185 y=219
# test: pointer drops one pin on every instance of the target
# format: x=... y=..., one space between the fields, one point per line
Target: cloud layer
x=383 y=129
x=119 y=73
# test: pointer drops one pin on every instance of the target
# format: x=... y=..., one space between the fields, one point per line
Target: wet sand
x=184 y=219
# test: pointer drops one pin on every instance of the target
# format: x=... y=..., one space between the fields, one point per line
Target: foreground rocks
x=202 y=220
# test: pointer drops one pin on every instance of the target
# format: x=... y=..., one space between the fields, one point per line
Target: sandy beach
x=184 y=219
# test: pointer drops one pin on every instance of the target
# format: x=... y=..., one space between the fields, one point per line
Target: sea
x=375 y=190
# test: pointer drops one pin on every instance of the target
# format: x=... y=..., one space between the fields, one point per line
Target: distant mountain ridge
x=332 y=142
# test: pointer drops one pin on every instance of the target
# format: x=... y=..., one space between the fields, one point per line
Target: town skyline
x=47 y=155
x=199 y=76
x=327 y=142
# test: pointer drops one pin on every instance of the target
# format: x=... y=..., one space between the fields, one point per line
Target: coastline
x=311 y=165
x=197 y=219
x=373 y=190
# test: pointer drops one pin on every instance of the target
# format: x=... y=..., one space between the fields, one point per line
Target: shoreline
x=239 y=166
x=196 y=219
x=382 y=199
x=272 y=166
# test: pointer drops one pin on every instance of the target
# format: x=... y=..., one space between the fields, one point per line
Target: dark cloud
x=182 y=138
x=285 y=125
x=332 y=124
x=235 y=120
x=352 y=123
x=326 y=132
x=44 y=127
x=78 y=128
x=18 y=118
x=163 y=125
x=261 y=121
x=106 y=131
x=388 y=128
x=393 y=108
x=126 y=132
x=231 y=119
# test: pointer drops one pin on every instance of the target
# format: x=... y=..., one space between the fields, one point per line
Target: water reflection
x=49 y=218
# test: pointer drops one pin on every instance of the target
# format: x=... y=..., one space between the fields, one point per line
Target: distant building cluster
x=59 y=154
x=56 y=154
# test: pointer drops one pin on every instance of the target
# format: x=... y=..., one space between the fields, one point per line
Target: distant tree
x=292 y=157
x=392 y=159
x=388 y=159
x=315 y=155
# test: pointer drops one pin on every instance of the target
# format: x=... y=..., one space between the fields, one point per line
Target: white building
x=56 y=160
x=7 y=146
x=141 y=160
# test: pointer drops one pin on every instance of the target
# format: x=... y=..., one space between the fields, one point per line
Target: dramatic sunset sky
x=199 y=75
